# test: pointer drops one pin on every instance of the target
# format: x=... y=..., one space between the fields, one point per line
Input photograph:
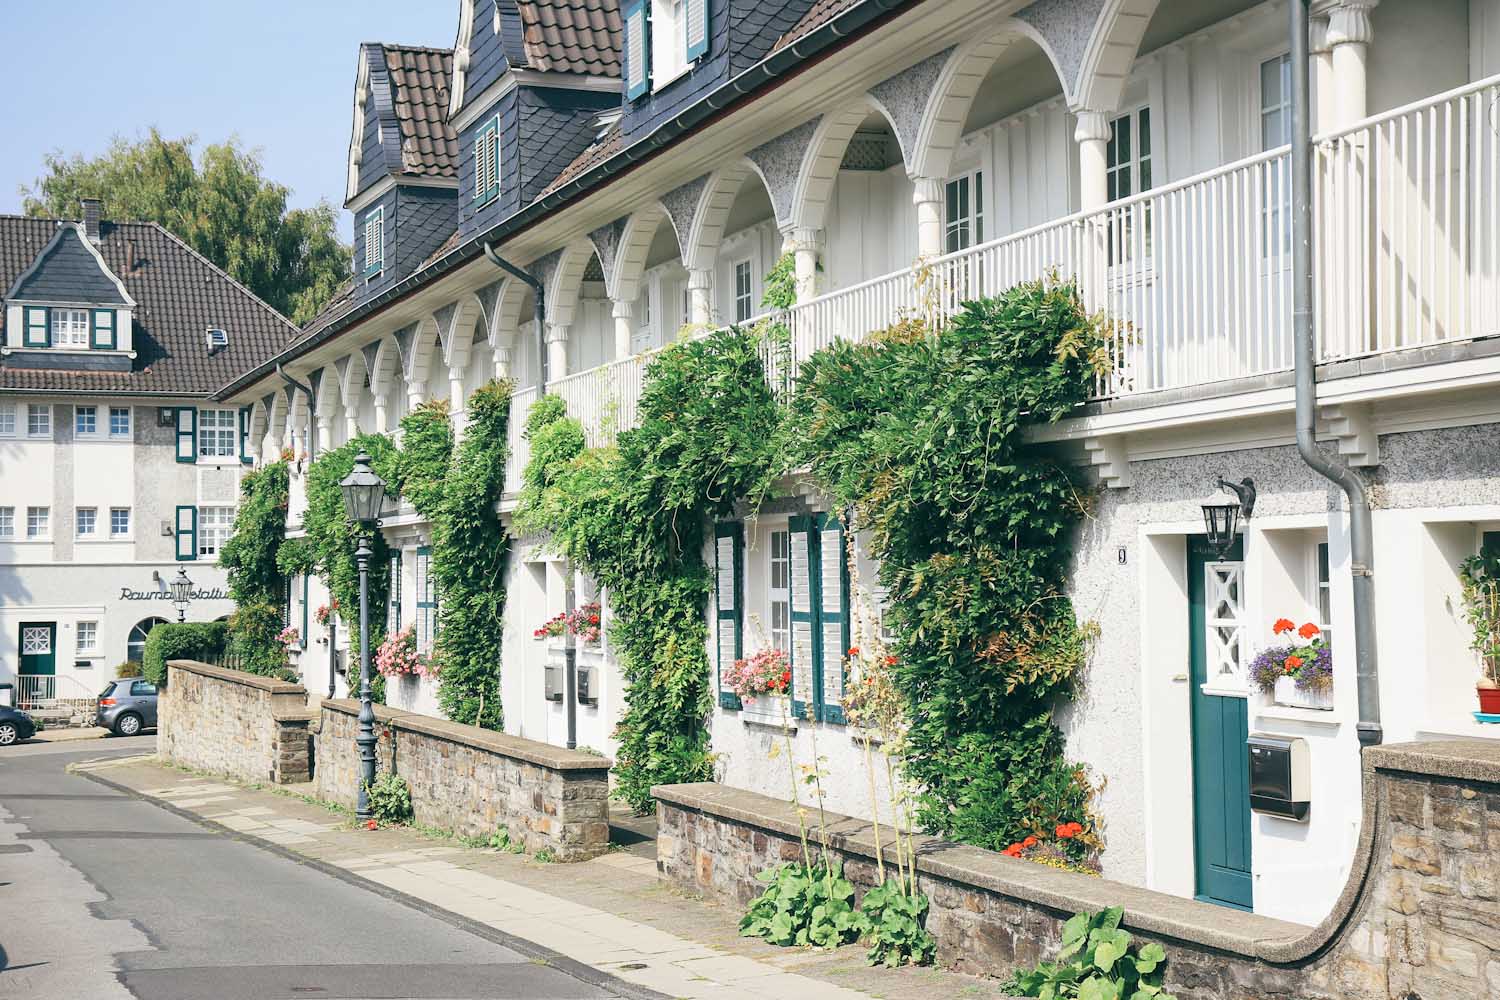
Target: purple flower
x=1317 y=675
x=1269 y=665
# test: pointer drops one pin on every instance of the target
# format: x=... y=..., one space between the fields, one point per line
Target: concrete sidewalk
x=612 y=913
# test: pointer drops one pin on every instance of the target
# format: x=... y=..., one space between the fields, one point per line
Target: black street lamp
x=182 y=593
x=364 y=492
x=1221 y=520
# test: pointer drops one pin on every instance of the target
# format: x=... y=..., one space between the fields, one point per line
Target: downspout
x=570 y=641
x=312 y=411
x=1361 y=539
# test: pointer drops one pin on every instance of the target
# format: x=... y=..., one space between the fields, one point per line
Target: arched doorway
x=135 y=646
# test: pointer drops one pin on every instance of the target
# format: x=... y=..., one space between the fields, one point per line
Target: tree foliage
x=255 y=581
x=220 y=204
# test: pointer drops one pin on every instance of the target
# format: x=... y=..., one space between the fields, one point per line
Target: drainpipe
x=570 y=641
x=1361 y=541
x=312 y=411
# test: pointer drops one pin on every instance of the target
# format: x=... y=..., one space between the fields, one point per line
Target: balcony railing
x=1194 y=278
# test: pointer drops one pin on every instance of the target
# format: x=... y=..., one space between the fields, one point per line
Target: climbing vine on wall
x=921 y=437
x=634 y=517
x=255 y=582
x=419 y=467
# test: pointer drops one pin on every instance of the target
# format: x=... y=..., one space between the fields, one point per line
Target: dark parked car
x=15 y=726
x=127 y=706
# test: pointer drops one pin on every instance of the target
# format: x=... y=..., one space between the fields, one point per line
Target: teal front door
x=37 y=642
x=1221 y=794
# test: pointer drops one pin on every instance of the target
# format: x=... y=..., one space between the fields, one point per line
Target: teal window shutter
x=637 y=48
x=303 y=634
x=245 y=456
x=487 y=161
x=427 y=601
x=187 y=533
x=697 y=29
x=729 y=603
x=187 y=434
x=804 y=614
x=375 y=240
x=833 y=617
x=102 y=329
x=36 y=332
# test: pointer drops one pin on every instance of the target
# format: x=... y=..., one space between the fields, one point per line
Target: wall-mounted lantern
x=1222 y=520
x=182 y=593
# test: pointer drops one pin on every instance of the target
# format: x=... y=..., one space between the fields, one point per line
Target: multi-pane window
x=85 y=420
x=88 y=637
x=86 y=520
x=119 y=421
x=217 y=433
x=1276 y=131
x=7 y=522
x=7 y=419
x=963 y=211
x=38 y=522
x=70 y=328
x=1325 y=594
x=119 y=522
x=780 y=591
x=215 y=524
x=744 y=291
x=38 y=420
x=1128 y=157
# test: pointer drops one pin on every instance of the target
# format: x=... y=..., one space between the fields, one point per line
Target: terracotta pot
x=1489 y=700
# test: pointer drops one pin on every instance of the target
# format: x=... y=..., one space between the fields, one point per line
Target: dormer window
x=375 y=241
x=663 y=38
x=217 y=339
x=487 y=162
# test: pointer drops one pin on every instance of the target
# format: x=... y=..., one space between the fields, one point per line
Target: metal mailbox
x=552 y=682
x=1280 y=783
x=588 y=691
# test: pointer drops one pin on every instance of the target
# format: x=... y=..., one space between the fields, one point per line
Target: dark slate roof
x=573 y=36
x=69 y=272
x=601 y=150
x=178 y=295
x=419 y=92
x=821 y=12
x=343 y=300
x=454 y=239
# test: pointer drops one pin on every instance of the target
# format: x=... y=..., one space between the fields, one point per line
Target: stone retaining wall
x=1418 y=920
x=234 y=723
x=474 y=781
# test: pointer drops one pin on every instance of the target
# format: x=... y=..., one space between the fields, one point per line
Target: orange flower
x=1283 y=625
x=1076 y=827
x=1309 y=630
x=1029 y=842
x=1065 y=832
x=1013 y=851
x=890 y=661
x=853 y=650
x=1292 y=663
x=372 y=825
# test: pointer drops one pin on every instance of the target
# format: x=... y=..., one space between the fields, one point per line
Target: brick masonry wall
x=474 y=781
x=234 y=723
x=1419 y=919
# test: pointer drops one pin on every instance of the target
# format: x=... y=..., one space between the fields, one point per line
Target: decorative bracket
x=1108 y=455
x=1354 y=427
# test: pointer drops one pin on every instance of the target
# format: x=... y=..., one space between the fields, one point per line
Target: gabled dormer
x=531 y=79
x=676 y=51
x=67 y=309
x=402 y=184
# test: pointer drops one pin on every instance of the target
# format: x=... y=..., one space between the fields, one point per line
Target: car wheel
x=8 y=733
x=128 y=724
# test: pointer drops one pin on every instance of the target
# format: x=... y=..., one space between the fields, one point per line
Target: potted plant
x=397 y=656
x=1299 y=676
x=583 y=622
x=1480 y=576
x=762 y=681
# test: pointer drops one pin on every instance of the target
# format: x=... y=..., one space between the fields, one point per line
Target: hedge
x=186 y=641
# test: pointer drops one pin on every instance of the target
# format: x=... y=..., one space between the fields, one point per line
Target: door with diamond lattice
x=1221 y=796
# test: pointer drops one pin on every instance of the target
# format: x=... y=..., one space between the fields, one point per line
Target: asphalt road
x=103 y=895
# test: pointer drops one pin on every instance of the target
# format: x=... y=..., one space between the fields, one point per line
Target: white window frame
x=113 y=410
x=123 y=533
x=965 y=228
x=79 y=413
x=744 y=301
x=668 y=40
x=1116 y=167
x=39 y=523
x=215 y=525
x=218 y=440
x=779 y=554
x=42 y=411
x=69 y=327
x=1322 y=590
x=7 y=419
x=7 y=522
x=90 y=648
x=89 y=516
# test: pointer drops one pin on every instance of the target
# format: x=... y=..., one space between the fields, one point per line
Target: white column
x=623 y=329
x=1325 y=110
x=806 y=247
x=351 y=426
x=700 y=296
x=381 y=424
x=1092 y=136
x=1350 y=34
x=502 y=363
x=557 y=352
x=456 y=400
x=927 y=195
x=325 y=434
x=413 y=394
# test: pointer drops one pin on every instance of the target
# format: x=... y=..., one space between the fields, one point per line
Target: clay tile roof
x=178 y=294
x=573 y=36
x=821 y=12
x=419 y=92
x=601 y=150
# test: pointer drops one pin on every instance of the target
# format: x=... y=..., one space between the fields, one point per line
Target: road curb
x=578 y=970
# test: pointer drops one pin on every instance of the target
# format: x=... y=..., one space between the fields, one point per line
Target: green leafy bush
x=128 y=668
x=804 y=906
x=181 y=641
x=390 y=798
x=1098 y=961
x=253 y=628
x=417 y=470
x=255 y=579
x=893 y=924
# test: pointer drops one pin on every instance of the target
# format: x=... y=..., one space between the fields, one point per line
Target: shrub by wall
x=185 y=641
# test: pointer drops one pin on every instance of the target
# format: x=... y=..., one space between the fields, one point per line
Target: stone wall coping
x=1464 y=760
x=271 y=685
x=530 y=751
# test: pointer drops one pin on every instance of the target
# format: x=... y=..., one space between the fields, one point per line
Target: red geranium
x=1309 y=630
x=1292 y=663
x=1283 y=625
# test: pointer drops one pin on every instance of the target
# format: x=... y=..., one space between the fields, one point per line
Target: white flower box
x=1288 y=694
x=767 y=710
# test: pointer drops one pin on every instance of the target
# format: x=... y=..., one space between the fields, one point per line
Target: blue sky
x=278 y=74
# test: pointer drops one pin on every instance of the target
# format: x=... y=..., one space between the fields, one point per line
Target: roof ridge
x=416 y=48
x=225 y=274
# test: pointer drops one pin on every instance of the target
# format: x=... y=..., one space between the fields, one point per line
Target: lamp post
x=182 y=593
x=364 y=492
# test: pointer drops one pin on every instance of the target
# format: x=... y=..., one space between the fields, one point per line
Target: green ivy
x=255 y=581
x=635 y=516
x=1097 y=961
x=418 y=469
x=920 y=436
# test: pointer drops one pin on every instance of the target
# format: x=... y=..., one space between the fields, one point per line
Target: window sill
x=113 y=540
x=1327 y=718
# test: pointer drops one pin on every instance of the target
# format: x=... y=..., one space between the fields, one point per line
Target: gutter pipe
x=312 y=411
x=1361 y=535
x=539 y=312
